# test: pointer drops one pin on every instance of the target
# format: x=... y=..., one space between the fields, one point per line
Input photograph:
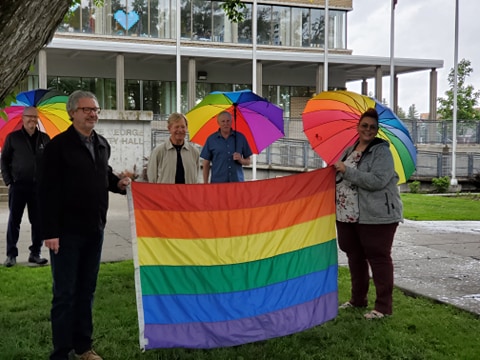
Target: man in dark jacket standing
x=74 y=205
x=21 y=170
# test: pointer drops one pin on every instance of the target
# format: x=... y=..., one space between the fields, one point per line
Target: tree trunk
x=26 y=26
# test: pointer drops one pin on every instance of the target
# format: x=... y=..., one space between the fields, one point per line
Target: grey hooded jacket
x=376 y=179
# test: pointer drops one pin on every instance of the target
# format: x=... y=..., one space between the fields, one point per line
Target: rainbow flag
x=226 y=264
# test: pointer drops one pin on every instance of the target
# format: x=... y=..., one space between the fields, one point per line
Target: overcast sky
x=424 y=29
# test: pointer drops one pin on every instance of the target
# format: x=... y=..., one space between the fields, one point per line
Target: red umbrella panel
x=52 y=112
x=259 y=120
x=330 y=122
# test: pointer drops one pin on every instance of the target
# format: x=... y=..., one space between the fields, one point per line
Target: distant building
x=126 y=53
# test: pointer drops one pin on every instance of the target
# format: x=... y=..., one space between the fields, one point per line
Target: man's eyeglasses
x=88 y=110
x=369 y=127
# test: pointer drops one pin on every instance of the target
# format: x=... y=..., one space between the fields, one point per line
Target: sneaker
x=346 y=305
x=36 y=259
x=89 y=355
x=11 y=260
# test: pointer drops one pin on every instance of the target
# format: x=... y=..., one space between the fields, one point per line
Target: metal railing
x=294 y=150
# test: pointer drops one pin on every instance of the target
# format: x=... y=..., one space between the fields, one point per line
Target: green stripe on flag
x=170 y=280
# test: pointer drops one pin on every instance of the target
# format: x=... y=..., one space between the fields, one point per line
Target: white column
x=378 y=83
x=120 y=77
x=192 y=82
x=320 y=78
x=42 y=69
x=433 y=95
x=364 y=87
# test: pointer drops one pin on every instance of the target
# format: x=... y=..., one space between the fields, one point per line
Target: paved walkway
x=435 y=259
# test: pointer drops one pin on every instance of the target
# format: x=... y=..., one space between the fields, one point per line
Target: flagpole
x=392 y=57
x=453 y=180
x=325 y=56
x=254 y=73
x=325 y=48
x=178 y=59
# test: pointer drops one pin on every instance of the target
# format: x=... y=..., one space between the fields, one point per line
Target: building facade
x=128 y=53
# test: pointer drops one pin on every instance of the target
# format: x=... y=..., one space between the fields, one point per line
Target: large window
x=222 y=27
x=296 y=27
x=281 y=25
x=202 y=20
x=244 y=33
x=186 y=19
x=316 y=26
x=163 y=19
x=337 y=33
x=81 y=19
x=264 y=24
x=205 y=20
x=104 y=89
x=160 y=97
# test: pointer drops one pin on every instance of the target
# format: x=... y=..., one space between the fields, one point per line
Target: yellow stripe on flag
x=234 y=250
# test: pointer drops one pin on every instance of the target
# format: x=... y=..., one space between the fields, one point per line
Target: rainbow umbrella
x=52 y=112
x=330 y=122
x=258 y=119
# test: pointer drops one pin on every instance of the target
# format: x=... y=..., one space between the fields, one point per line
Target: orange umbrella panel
x=330 y=123
x=52 y=112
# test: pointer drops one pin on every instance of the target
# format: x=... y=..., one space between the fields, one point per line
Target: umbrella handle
x=235 y=121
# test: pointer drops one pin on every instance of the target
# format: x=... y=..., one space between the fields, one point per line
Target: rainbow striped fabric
x=226 y=264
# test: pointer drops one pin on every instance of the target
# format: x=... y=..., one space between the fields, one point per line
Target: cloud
x=424 y=30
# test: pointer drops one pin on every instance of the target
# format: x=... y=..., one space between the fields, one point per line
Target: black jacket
x=74 y=188
x=21 y=162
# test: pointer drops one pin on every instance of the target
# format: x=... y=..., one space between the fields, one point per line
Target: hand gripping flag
x=226 y=264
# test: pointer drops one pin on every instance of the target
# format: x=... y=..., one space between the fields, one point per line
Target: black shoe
x=11 y=260
x=36 y=259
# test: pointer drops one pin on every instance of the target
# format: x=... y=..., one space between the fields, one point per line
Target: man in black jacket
x=75 y=186
x=21 y=170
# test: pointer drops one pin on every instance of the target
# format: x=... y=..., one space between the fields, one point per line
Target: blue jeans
x=74 y=271
x=19 y=196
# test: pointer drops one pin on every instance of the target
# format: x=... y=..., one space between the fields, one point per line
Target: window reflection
x=206 y=21
x=104 y=89
x=163 y=19
x=244 y=33
x=202 y=20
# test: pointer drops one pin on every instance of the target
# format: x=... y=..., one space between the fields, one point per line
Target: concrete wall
x=129 y=135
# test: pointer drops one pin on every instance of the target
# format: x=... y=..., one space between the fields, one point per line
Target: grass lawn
x=419 y=329
x=440 y=207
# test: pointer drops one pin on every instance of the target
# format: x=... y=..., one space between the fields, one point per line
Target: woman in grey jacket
x=369 y=208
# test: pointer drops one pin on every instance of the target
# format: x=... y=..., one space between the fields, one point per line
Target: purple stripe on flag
x=230 y=333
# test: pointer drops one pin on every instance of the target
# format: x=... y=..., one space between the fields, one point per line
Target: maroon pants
x=369 y=245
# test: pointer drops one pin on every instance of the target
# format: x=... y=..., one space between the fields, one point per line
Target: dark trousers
x=74 y=270
x=369 y=245
x=19 y=196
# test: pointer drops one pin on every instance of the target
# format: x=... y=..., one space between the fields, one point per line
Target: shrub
x=441 y=184
x=414 y=187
